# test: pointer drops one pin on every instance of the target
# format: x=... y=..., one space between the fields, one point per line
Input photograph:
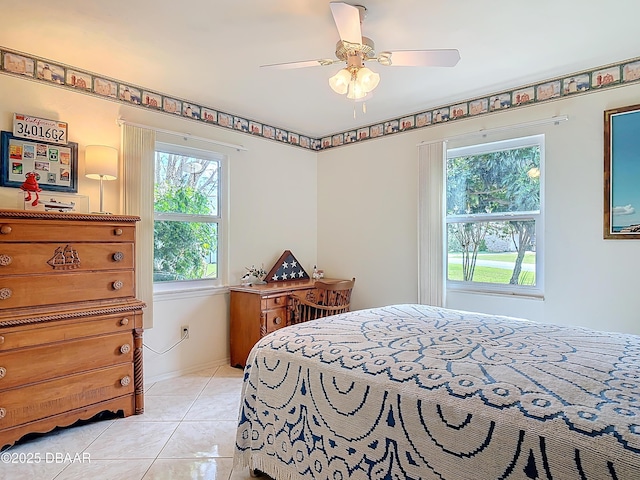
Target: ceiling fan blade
x=303 y=64
x=347 y=18
x=417 y=58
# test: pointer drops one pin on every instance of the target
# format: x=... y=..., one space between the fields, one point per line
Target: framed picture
x=18 y=64
x=622 y=173
x=130 y=94
x=105 y=87
x=79 y=80
x=171 y=105
x=55 y=167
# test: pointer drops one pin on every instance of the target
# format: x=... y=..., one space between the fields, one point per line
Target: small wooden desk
x=258 y=310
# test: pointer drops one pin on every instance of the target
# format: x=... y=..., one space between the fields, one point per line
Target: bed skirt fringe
x=273 y=468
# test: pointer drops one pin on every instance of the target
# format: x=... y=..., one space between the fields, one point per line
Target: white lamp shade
x=339 y=83
x=367 y=79
x=101 y=162
x=356 y=92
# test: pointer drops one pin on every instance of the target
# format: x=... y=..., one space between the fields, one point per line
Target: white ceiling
x=209 y=51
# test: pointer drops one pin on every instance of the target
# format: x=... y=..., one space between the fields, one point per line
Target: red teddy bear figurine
x=31 y=185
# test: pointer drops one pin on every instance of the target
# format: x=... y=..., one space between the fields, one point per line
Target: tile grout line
x=179 y=424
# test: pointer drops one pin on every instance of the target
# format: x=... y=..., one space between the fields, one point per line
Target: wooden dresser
x=256 y=311
x=70 y=325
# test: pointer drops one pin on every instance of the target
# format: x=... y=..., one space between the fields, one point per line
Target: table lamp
x=101 y=163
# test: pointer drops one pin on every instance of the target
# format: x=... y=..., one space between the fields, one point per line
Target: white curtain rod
x=484 y=132
x=186 y=136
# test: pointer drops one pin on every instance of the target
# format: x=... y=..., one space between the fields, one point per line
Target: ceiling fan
x=356 y=80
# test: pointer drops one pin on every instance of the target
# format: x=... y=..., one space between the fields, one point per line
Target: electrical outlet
x=184 y=331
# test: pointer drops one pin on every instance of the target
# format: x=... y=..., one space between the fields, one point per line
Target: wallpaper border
x=42 y=70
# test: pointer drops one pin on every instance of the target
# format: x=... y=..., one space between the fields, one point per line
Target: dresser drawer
x=60 y=231
x=40 y=334
x=32 y=402
x=275 y=319
x=64 y=287
x=25 y=258
x=30 y=365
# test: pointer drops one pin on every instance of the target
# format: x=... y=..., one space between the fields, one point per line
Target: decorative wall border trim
x=587 y=81
x=38 y=69
x=42 y=70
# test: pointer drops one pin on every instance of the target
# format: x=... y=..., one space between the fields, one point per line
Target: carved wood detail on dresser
x=70 y=325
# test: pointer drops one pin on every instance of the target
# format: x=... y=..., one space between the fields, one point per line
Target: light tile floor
x=186 y=432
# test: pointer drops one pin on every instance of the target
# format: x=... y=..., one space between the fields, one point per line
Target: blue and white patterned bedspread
x=412 y=391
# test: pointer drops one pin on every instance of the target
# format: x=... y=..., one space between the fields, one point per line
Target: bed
x=420 y=392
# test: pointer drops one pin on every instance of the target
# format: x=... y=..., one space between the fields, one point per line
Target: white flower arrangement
x=258 y=273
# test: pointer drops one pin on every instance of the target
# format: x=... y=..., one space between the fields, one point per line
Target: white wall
x=272 y=207
x=367 y=218
x=353 y=209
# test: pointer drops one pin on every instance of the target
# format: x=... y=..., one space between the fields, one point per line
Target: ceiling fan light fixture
x=356 y=92
x=339 y=83
x=356 y=81
x=362 y=82
x=367 y=79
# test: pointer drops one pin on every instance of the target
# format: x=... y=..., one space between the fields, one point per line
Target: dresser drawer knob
x=124 y=321
x=277 y=320
x=1 y=339
x=126 y=348
x=5 y=229
x=117 y=285
x=3 y=413
x=117 y=232
x=5 y=260
x=124 y=381
x=3 y=372
x=5 y=293
x=118 y=256
x=278 y=300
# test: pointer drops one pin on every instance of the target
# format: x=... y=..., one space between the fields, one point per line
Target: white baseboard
x=186 y=371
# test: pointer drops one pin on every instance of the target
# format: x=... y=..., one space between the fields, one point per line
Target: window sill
x=175 y=292
x=534 y=295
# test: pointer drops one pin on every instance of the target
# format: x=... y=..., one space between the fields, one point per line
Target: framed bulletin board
x=55 y=166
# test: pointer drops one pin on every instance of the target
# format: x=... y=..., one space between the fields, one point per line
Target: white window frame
x=491 y=288
x=206 y=284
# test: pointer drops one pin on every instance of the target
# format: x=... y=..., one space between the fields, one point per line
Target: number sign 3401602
x=35 y=128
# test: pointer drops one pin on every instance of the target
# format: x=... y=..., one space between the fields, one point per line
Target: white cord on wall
x=184 y=337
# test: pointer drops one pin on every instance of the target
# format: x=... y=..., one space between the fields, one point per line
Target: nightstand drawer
x=65 y=358
x=32 y=402
x=24 y=258
x=64 y=287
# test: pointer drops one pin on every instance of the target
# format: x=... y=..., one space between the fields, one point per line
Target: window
x=187 y=215
x=494 y=198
